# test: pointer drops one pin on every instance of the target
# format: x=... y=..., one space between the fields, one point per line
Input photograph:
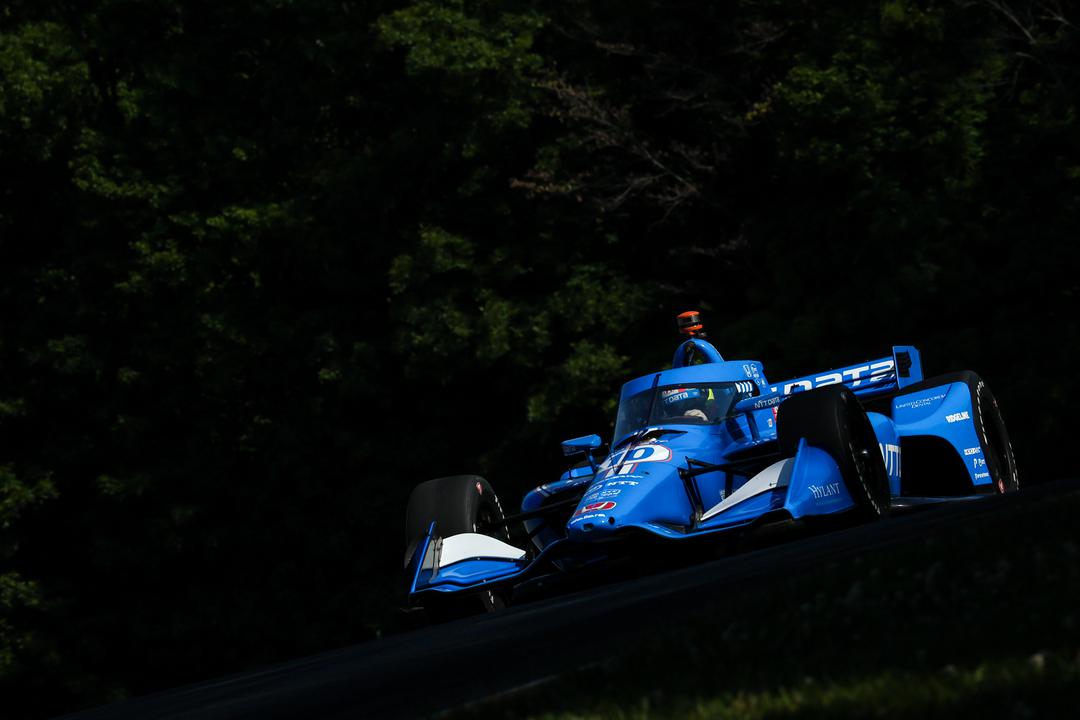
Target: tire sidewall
x=456 y=504
x=867 y=476
x=989 y=423
x=831 y=419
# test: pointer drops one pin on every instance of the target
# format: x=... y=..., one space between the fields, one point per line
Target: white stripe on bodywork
x=776 y=475
x=474 y=545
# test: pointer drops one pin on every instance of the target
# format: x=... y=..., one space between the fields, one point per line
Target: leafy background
x=267 y=264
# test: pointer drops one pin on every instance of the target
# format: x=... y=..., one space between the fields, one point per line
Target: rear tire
x=456 y=504
x=989 y=426
x=831 y=419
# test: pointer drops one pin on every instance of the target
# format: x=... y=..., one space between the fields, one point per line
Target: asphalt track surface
x=426 y=671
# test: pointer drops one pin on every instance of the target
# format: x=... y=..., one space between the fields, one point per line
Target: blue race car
x=710 y=448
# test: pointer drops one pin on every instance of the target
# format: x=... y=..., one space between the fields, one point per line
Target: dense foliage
x=267 y=264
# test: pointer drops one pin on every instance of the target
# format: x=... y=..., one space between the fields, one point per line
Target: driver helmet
x=686 y=402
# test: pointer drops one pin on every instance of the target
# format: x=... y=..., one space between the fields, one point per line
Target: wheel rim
x=486 y=519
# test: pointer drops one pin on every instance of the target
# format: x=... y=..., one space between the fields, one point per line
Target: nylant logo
x=824 y=491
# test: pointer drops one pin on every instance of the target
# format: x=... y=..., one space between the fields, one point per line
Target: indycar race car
x=710 y=448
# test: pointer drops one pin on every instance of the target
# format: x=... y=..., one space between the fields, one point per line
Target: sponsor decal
x=596 y=507
x=823 y=491
x=744 y=387
x=599 y=492
x=978 y=463
x=836 y=378
x=957 y=417
x=582 y=518
x=624 y=470
x=649 y=453
x=617 y=483
x=853 y=375
x=675 y=396
x=891 y=455
x=798 y=385
x=980 y=476
x=769 y=402
x=968 y=452
x=919 y=402
x=627 y=459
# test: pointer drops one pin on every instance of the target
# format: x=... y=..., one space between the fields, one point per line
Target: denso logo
x=855 y=375
x=957 y=417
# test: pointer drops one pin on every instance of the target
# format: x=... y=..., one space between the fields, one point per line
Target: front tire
x=456 y=504
x=831 y=419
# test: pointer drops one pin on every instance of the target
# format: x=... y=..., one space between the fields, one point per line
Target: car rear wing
x=883 y=376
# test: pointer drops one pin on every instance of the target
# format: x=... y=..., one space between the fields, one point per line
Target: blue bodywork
x=677 y=482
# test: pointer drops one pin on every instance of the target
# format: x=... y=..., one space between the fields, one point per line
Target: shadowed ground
x=947 y=609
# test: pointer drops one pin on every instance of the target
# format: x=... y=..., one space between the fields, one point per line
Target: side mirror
x=584 y=445
x=581 y=445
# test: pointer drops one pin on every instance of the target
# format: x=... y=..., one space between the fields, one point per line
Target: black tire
x=457 y=504
x=830 y=418
x=989 y=426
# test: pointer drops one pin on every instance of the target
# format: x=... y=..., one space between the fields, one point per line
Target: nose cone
x=593 y=517
x=649 y=493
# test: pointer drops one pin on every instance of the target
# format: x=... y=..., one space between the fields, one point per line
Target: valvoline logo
x=596 y=507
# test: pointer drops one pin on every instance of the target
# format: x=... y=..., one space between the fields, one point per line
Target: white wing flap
x=474 y=545
x=776 y=475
